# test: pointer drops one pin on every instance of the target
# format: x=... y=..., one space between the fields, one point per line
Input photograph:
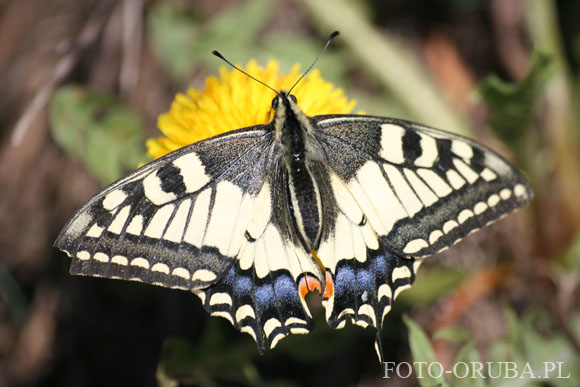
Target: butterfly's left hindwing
x=207 y=218
x=262 y=293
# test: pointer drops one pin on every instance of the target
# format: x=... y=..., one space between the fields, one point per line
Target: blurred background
x=82 y=84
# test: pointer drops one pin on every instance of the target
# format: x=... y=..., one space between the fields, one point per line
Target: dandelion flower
x=233 y=100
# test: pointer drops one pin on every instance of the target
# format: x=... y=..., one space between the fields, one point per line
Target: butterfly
x=253 y=220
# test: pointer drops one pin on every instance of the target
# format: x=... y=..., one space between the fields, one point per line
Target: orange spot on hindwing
x=328 y=287
x=308 y=284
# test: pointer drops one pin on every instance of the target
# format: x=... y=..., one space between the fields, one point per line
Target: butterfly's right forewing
x=421 y=189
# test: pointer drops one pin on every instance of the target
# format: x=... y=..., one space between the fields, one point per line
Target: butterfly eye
x=275 y=102
x=293 y=98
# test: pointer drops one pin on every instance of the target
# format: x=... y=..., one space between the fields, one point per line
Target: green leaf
x=183 y=42
x=423 y=355
x=240 y=24
x=432 y=283
x=234 y=32
x=514 y=326
x=532 y=351
x=289 y=49
x=454 y=334
x=468 y=370
x=511 y=105
x=105 y=135
x=174 y=36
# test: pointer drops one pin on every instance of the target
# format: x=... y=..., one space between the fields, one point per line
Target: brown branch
x=65 y=65
x=132 y=42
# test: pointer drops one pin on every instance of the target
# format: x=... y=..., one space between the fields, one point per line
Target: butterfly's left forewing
x=147 y=225
x=206 y=218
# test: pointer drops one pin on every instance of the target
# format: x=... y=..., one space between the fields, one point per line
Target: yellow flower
x=235 y=101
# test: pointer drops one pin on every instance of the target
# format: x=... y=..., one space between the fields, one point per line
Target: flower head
x=235 y=101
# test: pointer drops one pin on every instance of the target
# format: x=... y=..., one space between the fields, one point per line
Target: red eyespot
x=329 y=287
x=308 y=284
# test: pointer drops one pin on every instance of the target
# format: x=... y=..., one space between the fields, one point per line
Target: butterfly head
x=287 y=111
x=285 y=104
x=289 y=121
x=283 y=96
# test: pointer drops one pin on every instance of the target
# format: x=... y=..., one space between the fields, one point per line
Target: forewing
x=421 y=189
x=166 y=223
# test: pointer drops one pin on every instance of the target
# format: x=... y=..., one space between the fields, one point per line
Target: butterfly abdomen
x=305 y=200
x=303 y=194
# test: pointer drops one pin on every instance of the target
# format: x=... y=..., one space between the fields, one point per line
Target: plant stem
x=393 y=66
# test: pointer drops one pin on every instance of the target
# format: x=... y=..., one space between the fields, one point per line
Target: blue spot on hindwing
x=243 y=286
x=285 y=289
x=364 y=281
x=344 y=281
x=264 y=298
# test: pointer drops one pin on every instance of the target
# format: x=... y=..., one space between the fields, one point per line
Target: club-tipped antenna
x=332 y=36
x=217 y=53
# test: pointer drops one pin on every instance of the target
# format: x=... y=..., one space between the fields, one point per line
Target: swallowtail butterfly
x=254 y=219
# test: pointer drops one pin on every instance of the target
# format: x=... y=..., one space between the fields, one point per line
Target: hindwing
x=263 y=292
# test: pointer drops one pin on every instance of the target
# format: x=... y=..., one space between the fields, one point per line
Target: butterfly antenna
x=219 y=55
x=332 y=36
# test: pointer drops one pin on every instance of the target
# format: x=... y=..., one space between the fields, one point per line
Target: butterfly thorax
x=292 y=128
